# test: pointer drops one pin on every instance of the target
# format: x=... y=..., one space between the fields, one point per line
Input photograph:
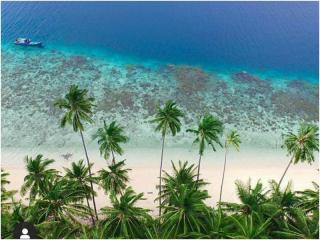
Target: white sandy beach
x=264 y=164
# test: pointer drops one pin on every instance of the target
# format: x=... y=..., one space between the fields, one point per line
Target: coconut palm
x=61 y=201
x=124 y=218
x=208 y=133
x=109 y=138
x=114 y=179
x=250 y=226
x=78 y=106
x=183 y=174
x=309 y=198
x=95 y=232
x=298 y=225
x=252 y=198
x=280 y=201
x=80 y=174
x=186 y=212
x=301 y=146
x=38 y=172
x=232 y=140
x=167 y=120
x=6 y=195
x=61 y=229
x=9 y=219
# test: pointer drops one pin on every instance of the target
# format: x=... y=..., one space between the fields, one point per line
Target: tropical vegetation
x=59 y=203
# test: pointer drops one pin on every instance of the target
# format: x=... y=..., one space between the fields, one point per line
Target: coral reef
x=130 y=94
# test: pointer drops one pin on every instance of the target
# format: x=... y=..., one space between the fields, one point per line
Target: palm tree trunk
x=92 y=218
x=89 y=168
x=285 y=171
x=87 y=199
x=113 y=160
x=160 y=178
x=224 y=169
x=199 y=168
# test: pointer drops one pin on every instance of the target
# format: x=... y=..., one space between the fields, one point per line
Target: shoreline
x=264 y=164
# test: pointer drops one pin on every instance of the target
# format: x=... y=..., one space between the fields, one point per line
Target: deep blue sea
x=262 y=36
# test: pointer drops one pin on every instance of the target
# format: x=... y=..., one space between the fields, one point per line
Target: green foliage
x=124 y=219
x=300 y=226
x=184 y=174
x=78 y=107
x=168 y=118
x=251 y=197
x=186 y=212
x=233 y=139
x=37 y=177
x=79 y=174
x=250 y=226
x=61 y=200
x=6 y=195
x=208 y=132
x=309 y=198
x=115 y=178
x=109 y=139
x=301 y=146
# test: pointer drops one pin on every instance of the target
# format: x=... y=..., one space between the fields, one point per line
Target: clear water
x=266 y=36
x=133 y=56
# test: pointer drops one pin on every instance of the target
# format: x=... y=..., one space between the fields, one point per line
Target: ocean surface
x=253 y=64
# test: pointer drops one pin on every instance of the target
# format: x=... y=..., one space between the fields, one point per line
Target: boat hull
x=31 y=44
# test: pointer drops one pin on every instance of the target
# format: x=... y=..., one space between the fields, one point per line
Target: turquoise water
x=254 y=65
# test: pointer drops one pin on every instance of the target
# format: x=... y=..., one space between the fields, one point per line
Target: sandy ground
x=264 y=164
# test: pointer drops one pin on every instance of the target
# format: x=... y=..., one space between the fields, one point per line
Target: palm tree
x=184 y=174
x=6 y=195
x=252 y=198
x=208 y=132
x=301 y=146
x=298 y=225
x=61 y=201
x=167 y=120
x=186 y=212
x=124 y=218
x=309 y=198
x=109 y=138
x=62 y=229
x=115 y=179
x=78 y=108
x=38 y=174
x=233 y=140
x=80 y=174
x=250 y=226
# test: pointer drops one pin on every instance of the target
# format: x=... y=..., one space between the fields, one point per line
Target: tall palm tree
x=167 y=120
x=301 y=146
x=124 y=218
x=38 y=173
x=232 y=140
x=109 y=138
x=78 y=107
x=208 y=133
x=80 y=174
x=114 y=179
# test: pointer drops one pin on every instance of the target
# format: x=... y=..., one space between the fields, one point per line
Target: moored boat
x=27 y=42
